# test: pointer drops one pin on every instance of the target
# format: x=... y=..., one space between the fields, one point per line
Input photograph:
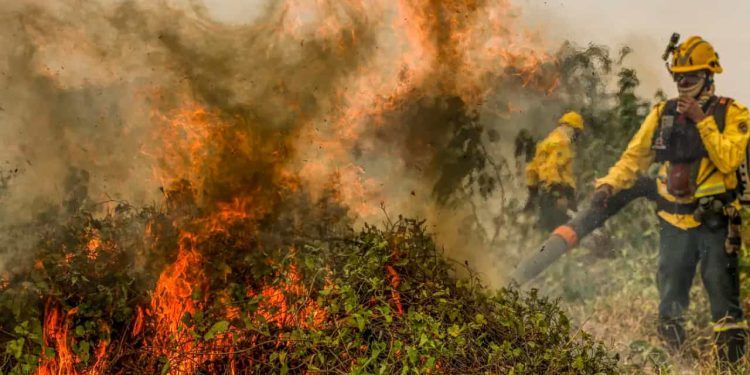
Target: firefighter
x=698 y=141
x=549 y=175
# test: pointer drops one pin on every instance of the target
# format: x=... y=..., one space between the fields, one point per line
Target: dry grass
x=620 y=307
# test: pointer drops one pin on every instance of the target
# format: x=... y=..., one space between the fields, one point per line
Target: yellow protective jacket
x=553 y=162
x=726 y=151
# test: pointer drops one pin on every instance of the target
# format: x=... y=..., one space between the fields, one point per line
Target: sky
x=644 y=25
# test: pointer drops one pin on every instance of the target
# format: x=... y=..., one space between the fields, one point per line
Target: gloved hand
x=531 y=201
x=602 y=195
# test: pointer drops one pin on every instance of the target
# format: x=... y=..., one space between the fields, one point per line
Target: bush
x=383 y=300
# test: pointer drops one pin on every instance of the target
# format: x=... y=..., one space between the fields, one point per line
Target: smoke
x=385 y=102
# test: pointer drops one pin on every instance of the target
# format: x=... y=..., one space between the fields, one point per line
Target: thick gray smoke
x=106 y=101
x=84 y=80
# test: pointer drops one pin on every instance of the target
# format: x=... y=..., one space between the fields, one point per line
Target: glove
x=602 y=195
x=531 y=201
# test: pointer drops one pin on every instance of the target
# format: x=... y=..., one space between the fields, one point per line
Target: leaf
x=15 y=347
x=218 y=327
x=385 y=311
x=309 y=262
x=479 y=318
x=284 y=366
x=454 y=330
x=639 y=346
x=430 y=362
x=578 y=363
x=360 y=321
x=411 y=352
x=196 y=294
x=22 y=329
x=84 y=351
x=402 y=262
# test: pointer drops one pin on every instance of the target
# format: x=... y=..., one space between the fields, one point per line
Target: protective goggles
x=688 y=79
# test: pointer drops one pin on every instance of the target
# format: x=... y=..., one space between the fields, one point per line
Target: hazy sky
x=645 y=25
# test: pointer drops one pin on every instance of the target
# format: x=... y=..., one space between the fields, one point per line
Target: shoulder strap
x=720 y=112
x=670 y=107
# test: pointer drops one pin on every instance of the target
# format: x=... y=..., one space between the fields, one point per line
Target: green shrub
x=383 y=300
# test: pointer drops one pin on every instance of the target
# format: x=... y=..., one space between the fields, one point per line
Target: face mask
x=690 y=84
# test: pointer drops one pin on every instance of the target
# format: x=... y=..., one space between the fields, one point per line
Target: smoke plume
x=383 y=102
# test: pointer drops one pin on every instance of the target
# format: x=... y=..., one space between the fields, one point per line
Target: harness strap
x=675 y=208
x=720 y=112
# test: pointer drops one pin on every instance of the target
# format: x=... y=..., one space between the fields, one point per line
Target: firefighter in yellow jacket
x=698 y=141
x=549 y=175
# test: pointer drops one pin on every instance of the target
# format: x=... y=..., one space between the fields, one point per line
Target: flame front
x=56 y=336
x=178 y=293
x=225 y=165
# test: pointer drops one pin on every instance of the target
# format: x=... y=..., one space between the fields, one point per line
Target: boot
x=672 y=332
x=730 y=345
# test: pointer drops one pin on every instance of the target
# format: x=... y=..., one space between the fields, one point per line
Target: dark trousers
x=680 y=251
x=551 y=214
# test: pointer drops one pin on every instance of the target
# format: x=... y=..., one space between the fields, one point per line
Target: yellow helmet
x=695 y=54
x=573 y=119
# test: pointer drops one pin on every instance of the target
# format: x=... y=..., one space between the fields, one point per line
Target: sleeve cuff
x=605 y=181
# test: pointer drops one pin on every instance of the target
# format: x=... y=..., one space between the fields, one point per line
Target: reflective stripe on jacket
x=726 y=151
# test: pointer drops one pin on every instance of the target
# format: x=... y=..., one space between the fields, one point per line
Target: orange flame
x=172 y=299
x=184 y=146
x=56 y=336
x=275 y=307
x=93 y=246
x=100 y=360
x=138 y=324
x=56 y=328
x=449 y=47
x=395 y=295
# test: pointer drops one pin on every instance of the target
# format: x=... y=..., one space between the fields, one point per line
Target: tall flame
x=220 y=166
x=174 y=297
x=56 y=336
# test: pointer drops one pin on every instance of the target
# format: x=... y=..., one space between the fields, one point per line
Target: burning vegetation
x=241 y=299
x=212 y=177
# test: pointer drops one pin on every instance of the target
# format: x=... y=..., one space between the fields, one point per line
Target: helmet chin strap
x=706 y=94
x=707 y=90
